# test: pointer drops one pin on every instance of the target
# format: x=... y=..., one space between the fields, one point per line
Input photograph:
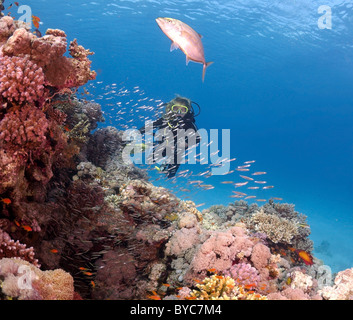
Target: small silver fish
x=258 y=173
x=245 y=177
x=240 y=184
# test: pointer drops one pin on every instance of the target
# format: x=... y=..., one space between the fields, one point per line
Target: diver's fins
x=172 y=170
x=161 y=168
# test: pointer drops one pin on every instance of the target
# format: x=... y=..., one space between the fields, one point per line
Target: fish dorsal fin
x=174 y=46
x=200 y=35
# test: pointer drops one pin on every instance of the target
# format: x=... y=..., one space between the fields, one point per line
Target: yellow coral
x=79 y=132
x=55 y=285
x=172 y=216
x=37 y=284
x=191 y=207
x=219 y=287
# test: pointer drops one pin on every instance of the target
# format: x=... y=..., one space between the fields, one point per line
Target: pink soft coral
x=244 y=273
x=260 y=258
x=21 y=80
x=181 y=241
x=219 y=251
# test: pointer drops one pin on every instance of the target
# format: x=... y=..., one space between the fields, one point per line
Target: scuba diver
x=179 y=115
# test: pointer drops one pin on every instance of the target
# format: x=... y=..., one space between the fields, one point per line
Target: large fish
x=186 y=39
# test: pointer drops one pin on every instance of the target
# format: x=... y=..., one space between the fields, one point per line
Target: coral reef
x=24 y=281
x=85 y=224
x=292 y=230
x=37 y=153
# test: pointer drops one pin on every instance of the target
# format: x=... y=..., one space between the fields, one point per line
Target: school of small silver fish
x=128 y=108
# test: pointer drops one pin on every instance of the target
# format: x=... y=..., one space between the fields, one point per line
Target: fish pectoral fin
x=200 y=35
x=174 y=46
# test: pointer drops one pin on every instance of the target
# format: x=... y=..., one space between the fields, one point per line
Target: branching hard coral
x=24 y=129
x=222 y=288
x=21 y=80
x=14 y=249
x=215 y=288
x=277 y=229
x=286 y=211
x=223 y=217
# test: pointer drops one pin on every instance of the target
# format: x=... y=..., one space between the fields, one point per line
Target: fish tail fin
x=205 y=65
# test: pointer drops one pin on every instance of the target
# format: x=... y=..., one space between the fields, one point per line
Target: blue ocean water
x=280 y=83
